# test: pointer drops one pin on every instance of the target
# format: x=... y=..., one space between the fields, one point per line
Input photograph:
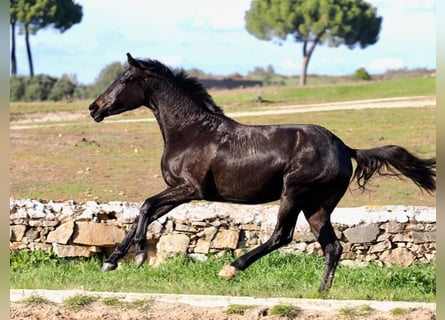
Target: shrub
x=361 y=74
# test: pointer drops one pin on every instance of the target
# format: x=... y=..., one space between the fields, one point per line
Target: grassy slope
x=111 y=161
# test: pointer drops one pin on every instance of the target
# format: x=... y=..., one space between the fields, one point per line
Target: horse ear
x=133 y=62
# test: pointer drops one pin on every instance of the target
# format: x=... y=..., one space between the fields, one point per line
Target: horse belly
x=248 y=186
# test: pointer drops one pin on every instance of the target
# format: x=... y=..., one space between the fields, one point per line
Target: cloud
x=173 y=61
x=289 y=65
x=383 y=64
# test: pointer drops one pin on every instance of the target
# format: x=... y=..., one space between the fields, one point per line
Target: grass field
x=275 y=275
x=120 y=161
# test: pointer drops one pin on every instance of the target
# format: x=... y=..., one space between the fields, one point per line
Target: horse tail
x=394 y=160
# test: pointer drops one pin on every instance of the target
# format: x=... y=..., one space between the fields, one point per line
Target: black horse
x=210 y=156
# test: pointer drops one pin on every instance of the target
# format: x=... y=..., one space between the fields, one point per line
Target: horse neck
x=180 y=120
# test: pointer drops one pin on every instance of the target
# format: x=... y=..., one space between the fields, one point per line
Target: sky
x=211 y=36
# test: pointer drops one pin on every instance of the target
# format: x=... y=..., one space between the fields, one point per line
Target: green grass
x=112 y=301
x=275 y=275
x=361 y=311
x=237 y=309
x=398 y=311
x=286 y=311
x=79 y=301
x=36 y=299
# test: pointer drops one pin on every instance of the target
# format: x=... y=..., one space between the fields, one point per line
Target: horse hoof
x=140 y=258
x=227 y=272
x=108 y=267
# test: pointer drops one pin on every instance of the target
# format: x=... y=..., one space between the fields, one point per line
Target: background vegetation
x=43 y=87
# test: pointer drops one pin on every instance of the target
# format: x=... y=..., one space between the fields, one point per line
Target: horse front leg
x=152 y=209
x=121 y=250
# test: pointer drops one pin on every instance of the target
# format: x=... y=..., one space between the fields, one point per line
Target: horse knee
x=279 y=239
x=333 y=252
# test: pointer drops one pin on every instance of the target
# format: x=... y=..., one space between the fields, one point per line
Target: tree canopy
x=33 y=15
x=312 y=22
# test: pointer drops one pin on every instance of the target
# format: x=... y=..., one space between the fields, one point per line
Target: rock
x=402 y=237
x=301 y=246
x=36 y=213
x=306 y=236
x=16 y=246
x=55 y=206
x=185 y=228
x=129 y=212
x=32 y=234
x=250 y=227
x=17 y=232
x=21 y=213
x=381 y=246
x=198 y=257
x=71 y=250
x=394 y=227
x=226 y=239
x=154 y=228
x=173 y=243
x=62 y=234
x=209 y=233
x=41 y=246
x=202 y=246
x=423 y=237
x=398 y=256
x=362 y=234
x=97 y=234
x=87 y=214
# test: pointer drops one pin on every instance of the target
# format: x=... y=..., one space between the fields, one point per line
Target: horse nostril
x=93 y=107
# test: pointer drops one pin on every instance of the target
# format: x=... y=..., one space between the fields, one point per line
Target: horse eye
x=124 y=80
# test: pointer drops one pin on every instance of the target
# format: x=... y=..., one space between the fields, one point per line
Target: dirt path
x=167 y=311
x=188 y=307
x=399 y=102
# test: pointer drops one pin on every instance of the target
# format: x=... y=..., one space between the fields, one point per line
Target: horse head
x=124 y=94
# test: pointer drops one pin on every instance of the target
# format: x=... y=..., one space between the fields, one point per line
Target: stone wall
x=385 y=235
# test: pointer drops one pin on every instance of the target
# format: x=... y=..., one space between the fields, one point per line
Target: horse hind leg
x=282 y=235
x=321 y=227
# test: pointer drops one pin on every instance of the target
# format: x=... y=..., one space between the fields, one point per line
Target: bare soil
x=175 y=311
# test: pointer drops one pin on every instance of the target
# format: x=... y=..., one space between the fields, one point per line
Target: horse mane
x=191 y=85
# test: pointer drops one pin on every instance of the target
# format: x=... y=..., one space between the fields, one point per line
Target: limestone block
x=173 y=243
x=202 y=246
x=381 y=246
x=422 y=237
x=363 y=233
x=71 y=250
x=97 y=234
x=398 y=256
x=17 y=232
x=226 y=239
x=62 y=234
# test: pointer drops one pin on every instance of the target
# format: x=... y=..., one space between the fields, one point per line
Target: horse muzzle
x=96 y=112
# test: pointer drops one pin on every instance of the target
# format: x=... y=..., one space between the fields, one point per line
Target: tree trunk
x=303 y=74
x=307 y=56
x=13 y=59
x=28 y=51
